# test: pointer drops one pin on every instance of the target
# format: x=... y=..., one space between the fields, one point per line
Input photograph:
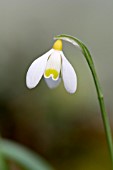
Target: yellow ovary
x=58 y=45
x=50 y=72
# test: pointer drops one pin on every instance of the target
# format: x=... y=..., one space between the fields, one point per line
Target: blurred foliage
x=27 y=159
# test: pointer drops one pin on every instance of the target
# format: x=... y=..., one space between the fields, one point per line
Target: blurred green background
x=64 y=129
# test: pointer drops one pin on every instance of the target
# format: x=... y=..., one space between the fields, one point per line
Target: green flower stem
x=89 y=60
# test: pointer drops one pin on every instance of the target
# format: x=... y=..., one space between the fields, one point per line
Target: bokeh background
x=64 y=129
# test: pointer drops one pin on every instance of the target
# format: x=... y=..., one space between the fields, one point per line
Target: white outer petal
x=52 y=83
x=68 y=75
x=36 y=70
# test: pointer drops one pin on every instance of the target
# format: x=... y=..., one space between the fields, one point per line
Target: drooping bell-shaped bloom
x=54 y=66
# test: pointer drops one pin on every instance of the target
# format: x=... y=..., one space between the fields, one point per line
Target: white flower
x=53 y=65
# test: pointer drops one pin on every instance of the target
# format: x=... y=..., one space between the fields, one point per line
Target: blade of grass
x=23 y=156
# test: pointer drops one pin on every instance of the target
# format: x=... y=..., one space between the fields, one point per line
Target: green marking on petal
x=53 y=72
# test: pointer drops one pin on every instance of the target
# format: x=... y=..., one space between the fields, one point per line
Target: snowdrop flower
x=52 y=65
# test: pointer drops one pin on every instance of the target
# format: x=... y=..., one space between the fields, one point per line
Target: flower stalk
x=100 y=95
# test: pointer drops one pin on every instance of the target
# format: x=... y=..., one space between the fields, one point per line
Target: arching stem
x=100 y=95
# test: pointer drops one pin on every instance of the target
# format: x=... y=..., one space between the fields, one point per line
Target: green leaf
x=22 y=156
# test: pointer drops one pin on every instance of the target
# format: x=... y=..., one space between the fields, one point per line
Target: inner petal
x=52 y=72
x=53 y=66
